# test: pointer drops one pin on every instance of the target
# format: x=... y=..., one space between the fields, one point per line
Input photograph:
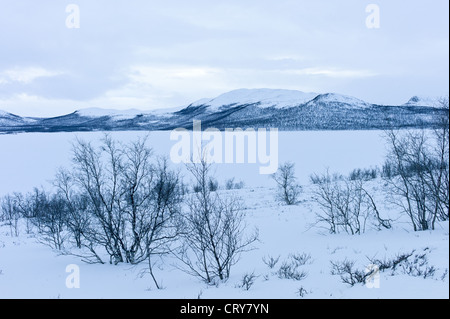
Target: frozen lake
x=31 y=159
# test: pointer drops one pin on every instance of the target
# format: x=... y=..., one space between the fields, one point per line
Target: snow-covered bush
x=290 y=270
x=349 y=275
x=271 y=261
x=291 y=267
x=301 y=259
x=230 y=184
x=345 y=206
x=213 y=184
x=247 y=281
x=366 y=174
x=412 y=264
x=288 y=188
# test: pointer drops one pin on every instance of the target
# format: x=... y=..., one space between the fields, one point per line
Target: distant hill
x=256 y=108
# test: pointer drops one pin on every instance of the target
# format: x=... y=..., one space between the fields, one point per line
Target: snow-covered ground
x=32 y=270
x=29 y=269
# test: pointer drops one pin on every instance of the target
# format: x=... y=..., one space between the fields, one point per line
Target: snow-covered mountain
x=423 y=101
x=339 y=100
x=263 y=98
x=99 y=112
x=9 y=119
x=257 y=108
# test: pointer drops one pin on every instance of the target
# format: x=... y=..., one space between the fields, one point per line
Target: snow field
x=29 y=269
x=32 y=270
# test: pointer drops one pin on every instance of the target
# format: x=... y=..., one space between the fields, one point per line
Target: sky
x=151 y=54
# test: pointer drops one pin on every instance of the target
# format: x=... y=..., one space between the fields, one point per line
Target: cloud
x=150 y=54
x=26 y=75
x=333 y=72
x=149 y=74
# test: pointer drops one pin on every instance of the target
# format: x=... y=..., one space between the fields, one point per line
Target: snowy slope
x=8 y=119
x=116 y=114
x=333 y=99
x=123 y=114
x=263 y=97
x=423 y=101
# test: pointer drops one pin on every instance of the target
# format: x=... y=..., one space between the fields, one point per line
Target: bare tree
x=288 y=189
x=132 y=201
x=25 y=210
x=78 y=214
x=214 y=230
x=52 y=221
x=96 y=172
x=46 y=214
x=439 y=178
x=419 y=181
x=163 y=227
x=33 y=207
x=345 y=205
x=117 y=199
x=10 y=214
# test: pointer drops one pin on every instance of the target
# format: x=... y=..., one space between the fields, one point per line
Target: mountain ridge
x=245 y=108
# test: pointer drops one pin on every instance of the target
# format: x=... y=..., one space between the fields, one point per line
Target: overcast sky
x=158 y=54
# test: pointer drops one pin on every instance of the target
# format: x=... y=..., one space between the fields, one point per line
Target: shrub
x=288 y=189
